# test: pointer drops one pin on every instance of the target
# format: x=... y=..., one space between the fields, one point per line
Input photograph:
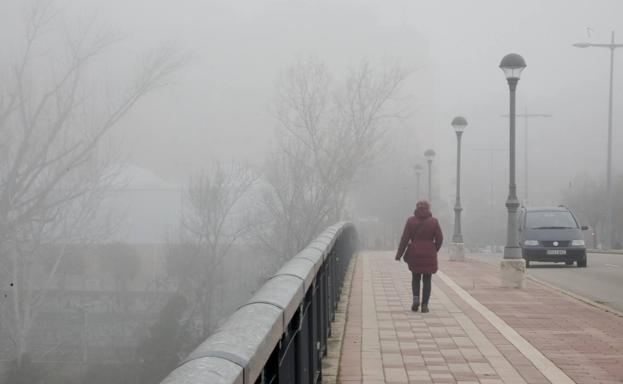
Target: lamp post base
x=513 y=272
x=457 y=253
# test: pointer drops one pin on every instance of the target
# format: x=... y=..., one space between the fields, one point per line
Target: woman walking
x=422 y=239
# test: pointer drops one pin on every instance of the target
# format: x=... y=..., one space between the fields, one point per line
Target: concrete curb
x=606 y=251
x=581 y=298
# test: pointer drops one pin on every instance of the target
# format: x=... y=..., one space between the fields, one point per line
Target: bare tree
x=54 y=170
x=214 y=220
x=328 y=133
x=588 y=198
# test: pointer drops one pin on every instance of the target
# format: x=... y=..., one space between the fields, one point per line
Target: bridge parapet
x=280 y=334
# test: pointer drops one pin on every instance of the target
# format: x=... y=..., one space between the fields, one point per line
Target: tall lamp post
x=430 y=155
x=612 y=46
x=513 y=266
x=458 y=253
x=418 y=170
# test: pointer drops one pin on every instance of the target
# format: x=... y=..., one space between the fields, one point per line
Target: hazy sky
x=467 y=41
x=219 y=106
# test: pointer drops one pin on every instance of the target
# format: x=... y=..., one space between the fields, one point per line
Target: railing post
x=304 y=342
x=317 y=328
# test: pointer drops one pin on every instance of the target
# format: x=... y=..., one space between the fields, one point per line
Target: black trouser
x=415 y=285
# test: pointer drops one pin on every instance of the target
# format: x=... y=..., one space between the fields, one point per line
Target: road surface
x=601 y=281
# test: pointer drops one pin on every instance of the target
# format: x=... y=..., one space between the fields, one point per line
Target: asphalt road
x=601 y=281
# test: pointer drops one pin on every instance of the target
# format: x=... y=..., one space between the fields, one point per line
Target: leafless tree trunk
x=54 y=171
x=328 y=134
x=214 y=219
x=587 y=198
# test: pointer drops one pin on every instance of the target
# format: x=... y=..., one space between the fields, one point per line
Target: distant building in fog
x=148 y=207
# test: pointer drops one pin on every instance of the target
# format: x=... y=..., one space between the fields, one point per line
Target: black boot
x=416 y=303
x=424 y=308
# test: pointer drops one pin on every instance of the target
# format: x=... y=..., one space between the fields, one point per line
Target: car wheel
x=582 y=263
x=527 y=263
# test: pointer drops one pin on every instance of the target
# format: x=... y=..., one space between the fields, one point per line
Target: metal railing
x=280 y=335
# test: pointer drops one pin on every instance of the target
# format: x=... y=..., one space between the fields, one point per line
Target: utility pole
x=526 y=116
x=491 y=151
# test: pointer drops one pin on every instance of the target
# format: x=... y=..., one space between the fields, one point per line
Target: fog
x=201 y=144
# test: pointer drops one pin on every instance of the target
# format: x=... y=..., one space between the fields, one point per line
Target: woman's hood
x=422 y=212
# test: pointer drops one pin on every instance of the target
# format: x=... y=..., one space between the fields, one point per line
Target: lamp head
x=429 y=154
x=582 y=45
x=459 y=124
x=417 y=168
x=512 y=65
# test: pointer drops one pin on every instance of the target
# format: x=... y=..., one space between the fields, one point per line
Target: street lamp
x=612 y=46
x=513 y=266
x=459 y=124
x=429 y=155
x=418 y=169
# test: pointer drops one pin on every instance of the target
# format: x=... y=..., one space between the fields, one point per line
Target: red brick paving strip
x=584 y=341
x=384 y=342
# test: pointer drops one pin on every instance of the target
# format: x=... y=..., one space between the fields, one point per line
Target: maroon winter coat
x=422 y=247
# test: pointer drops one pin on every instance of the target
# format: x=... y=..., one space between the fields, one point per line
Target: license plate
x=556 y=252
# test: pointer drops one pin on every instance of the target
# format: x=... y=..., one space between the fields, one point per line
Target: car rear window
x=550 y=220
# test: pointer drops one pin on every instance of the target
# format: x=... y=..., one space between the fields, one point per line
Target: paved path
x=476 y=332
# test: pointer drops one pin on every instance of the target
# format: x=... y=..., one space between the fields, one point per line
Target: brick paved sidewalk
x=476 y=332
